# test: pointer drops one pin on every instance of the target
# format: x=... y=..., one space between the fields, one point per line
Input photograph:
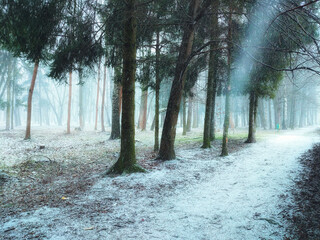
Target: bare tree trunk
x=69 y=102
x=103 y=98
x=143 y=109
x=97 y=102
x=194 y=108
x=157 y=90
x=9 y=90
x=33 y=81
x=262 y=114
x=302 y=113
x=81 y=110
x=40 y=100
x=284 y=119
x=276 y=113
x=115 y=124
x=208 y=131
x=293 y=111
x=224 y=151
x=13 y=96
x=252 y=118
x=166 y=151
x=184 y=116
x=190 y=107
x=270 y=115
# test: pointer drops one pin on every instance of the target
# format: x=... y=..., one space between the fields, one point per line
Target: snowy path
x=199 y=196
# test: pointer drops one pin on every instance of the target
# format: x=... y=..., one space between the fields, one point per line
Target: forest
x=157 y=119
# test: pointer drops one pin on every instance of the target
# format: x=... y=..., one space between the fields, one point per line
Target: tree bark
x=13 y=96
x=253 y=106
x=9 y=91
x=69 y=102
x=270 y=114
x=143 y=109
x=103 y=98
x=33 y=81
x=190 y=107
x=262 y=115
x=284 y=119
x=293 y=111
x=302 y=113
x=115 y=124
x=224 y=151
x=81 y=110
x=97 y=102
x=157 y=89
x=166 y=151
x=276 y=107
x=184 y=116
x=127 y=160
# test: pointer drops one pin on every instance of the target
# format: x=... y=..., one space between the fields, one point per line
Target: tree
x=127 y=160
x=115 y=122
x=29 y=29
x=195 y=13
x=97 y=100
x=211 y=85
x=224 y=151
x=69 y=102
x=103 y=97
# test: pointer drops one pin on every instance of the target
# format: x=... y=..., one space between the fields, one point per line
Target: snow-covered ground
x=198 y=196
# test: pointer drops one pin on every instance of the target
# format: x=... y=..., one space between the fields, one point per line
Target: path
x=199 y=196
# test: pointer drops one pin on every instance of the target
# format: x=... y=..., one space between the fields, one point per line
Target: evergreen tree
x=29 y=29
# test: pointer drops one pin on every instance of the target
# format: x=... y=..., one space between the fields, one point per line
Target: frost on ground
x=198 y=196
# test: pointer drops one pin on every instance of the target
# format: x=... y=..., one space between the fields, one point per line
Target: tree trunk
x=81 y=110
x=127 y=160
x=208 y=131
x=143 y=109
x=195 y=108
x=69 y=102
x=115 y=124
x=120 y=99
x=157 y=89
x=166 y=151
x=13 y=95
x=276 y=113
x=33 y=81
x=97 y=102
x=40 y=101
x=103 y=98
x=224 y=151
x=302 y=113
x=284 y=119
x=184 y=116
x=293 y=111
x=213 y=118
x=190 y=103
x=270 y=115
x=9 y=91
x=252 y=118
x=262 y=114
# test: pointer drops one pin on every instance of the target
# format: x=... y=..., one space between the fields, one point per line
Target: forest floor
x=55 y=187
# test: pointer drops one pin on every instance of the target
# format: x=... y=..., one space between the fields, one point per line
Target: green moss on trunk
x=127 y=160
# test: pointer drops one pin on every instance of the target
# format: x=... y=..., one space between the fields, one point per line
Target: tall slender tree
x=211 y=85
x=29 y=29
x=127 y=160
x=195 y=13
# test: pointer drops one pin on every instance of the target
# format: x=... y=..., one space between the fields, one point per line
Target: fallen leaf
x=64 y=198
x=89 y=228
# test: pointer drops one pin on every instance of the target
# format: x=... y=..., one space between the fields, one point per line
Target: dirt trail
x=198 y=196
